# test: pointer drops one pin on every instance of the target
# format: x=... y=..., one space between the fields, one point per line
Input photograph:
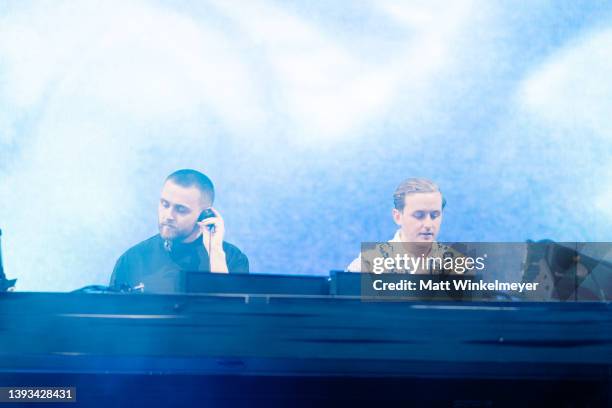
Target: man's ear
x=397 y=216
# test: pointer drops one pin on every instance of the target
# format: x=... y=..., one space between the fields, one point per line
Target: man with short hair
x=418 y=205
x=190 y=237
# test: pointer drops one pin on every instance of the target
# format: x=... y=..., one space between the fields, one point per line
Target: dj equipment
x=249 y=347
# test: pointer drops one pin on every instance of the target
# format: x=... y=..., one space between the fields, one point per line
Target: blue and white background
x=306 y=115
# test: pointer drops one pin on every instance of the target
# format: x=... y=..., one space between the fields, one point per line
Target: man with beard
x=190 y=238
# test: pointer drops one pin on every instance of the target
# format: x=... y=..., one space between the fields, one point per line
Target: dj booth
x=263 y=340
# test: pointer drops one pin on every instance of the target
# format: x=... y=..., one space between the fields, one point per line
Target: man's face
x=178 y=211
x=421 y=218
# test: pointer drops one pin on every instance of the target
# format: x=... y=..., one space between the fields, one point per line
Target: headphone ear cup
x=207 y=213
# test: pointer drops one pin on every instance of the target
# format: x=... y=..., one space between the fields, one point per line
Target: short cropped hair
x=191 y=178
x=412 y=186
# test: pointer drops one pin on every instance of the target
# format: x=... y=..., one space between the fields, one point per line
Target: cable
x=210 y=231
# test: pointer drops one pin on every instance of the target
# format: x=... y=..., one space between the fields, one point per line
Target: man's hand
x=213 y=241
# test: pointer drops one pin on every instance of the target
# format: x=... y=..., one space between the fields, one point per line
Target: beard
x=175 y=234
x=172 y=233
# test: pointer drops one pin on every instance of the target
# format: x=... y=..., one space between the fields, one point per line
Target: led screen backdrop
x=306 y=115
